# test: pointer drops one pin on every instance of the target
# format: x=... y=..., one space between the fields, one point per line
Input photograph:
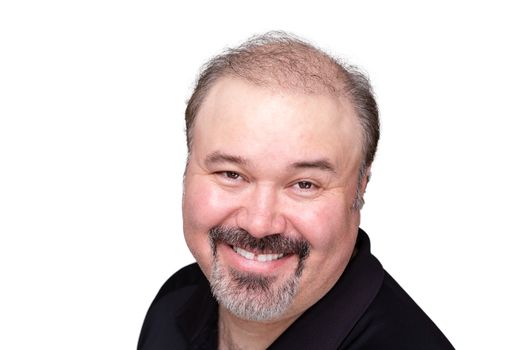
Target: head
x=280 y=138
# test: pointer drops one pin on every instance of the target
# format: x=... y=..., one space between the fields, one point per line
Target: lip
x=241 y=264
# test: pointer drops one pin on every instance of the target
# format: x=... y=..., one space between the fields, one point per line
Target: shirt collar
x=334 y=315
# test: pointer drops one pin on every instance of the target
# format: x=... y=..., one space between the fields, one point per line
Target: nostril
x=260 y=214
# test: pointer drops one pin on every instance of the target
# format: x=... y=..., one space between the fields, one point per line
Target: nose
x=260 y=213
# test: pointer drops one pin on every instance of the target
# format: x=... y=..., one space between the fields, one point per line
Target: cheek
x=203 y=207
x=330 y=228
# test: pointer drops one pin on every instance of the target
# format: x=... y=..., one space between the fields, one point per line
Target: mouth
x=270 y=255
x=257 y=256
x=254 y=261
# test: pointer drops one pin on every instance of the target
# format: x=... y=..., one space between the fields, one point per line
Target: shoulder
x=161 y=329
x=188 y=277
x=394 y=321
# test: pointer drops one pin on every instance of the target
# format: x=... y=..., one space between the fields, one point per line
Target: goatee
x=253 y=296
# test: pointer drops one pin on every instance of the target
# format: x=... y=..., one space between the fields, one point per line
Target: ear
x=365 y=180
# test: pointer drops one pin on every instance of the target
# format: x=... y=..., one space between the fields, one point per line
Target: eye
x=305 y=185
x=306 y=189
x=231 y=175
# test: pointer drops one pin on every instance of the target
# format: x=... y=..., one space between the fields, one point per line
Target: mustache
x=276 y=243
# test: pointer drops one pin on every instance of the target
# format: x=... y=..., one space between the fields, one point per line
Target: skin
x=272 y=161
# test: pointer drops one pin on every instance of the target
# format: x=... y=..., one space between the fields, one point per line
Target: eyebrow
x=321 y=164
x=219 y=157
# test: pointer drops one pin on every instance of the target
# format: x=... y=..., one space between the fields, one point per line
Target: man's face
x=269 y=188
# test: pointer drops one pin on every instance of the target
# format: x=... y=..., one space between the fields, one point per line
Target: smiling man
x=281 y=138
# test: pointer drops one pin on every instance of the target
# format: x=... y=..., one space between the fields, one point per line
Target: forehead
x=240 y=117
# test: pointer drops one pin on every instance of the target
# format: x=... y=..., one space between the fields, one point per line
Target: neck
x=239 y=334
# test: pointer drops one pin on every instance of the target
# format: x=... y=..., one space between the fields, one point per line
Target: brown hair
x=278 y=58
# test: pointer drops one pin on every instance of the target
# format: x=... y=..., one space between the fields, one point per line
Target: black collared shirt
x=366 y=309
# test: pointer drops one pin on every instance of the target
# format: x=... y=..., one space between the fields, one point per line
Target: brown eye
x=231 y=174
x=305 y=185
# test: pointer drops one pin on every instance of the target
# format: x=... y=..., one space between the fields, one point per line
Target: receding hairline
x=345 y=107
x=284 y=62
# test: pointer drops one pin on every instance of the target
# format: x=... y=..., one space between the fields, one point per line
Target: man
x=281 y=138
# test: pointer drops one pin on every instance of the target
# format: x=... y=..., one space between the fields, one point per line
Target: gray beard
x=250 y=296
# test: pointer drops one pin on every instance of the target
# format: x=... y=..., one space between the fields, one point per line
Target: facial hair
x=252 y=296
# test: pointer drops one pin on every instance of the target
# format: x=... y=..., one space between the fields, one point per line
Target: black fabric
x=366 y=309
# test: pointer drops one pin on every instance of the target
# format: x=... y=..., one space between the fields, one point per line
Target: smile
x=257 y=257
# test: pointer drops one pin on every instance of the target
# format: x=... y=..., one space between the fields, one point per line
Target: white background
x=92 y=150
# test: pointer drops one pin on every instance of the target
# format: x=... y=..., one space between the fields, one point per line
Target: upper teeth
x=259 y=257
